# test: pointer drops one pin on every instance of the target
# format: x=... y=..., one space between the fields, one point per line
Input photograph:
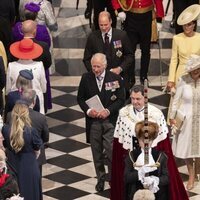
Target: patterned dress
x=187 y=99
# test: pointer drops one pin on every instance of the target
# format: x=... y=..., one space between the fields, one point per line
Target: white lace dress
x=187 y=99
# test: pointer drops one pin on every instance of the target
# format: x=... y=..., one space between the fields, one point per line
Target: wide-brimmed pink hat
x=26 y=49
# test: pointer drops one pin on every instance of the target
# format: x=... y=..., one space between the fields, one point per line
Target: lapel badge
x=118 y=53
x=113 y=97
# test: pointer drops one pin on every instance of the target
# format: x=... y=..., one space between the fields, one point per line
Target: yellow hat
x=190 y=14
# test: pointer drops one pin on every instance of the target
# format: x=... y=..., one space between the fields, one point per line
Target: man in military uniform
x=110 y=91
x=137 y=16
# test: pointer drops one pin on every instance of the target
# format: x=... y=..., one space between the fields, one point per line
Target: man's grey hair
x=101 y=57
x=29 y=96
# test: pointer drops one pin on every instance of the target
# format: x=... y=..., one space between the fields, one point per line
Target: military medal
x=118 y=53
x=117 y=44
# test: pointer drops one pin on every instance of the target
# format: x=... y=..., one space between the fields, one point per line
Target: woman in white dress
x=186 y=142
x=26 y=50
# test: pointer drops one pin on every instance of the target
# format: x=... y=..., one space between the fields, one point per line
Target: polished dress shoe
x=142 y=81
x=100 y=186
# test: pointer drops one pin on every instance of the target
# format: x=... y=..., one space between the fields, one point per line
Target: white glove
x=154 y=186
x=16 y=197
x=148 y=181
x=159 y=26
x=37 y=153
x=142 y=171
x=122 y=16
x=174 y=130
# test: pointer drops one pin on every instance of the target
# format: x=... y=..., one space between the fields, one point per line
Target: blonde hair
x=144 y=195
x=20 y=119
x=23 y=83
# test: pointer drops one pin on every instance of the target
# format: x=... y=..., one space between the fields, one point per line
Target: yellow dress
x=182 y=47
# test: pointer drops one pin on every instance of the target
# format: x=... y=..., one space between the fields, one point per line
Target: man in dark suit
x=29 y=28
x=2 y=84
x=115 y=45
x=7 y=10
x=109 y=89
x=5 y=33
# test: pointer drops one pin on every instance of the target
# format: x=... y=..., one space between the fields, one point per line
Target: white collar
x=102 y=74
x=109 y=33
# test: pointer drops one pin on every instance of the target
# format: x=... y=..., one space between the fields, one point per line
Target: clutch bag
x=180 y=118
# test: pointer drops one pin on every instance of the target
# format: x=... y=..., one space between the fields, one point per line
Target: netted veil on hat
x=192 y=63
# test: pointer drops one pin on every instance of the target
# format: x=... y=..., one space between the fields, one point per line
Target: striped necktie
x=99 y=80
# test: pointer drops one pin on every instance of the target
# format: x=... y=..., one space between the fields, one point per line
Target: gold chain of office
x=124 y=6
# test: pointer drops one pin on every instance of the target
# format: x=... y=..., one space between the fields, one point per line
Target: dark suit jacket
x=46 y=55
x=132 y=184
x=2 y=83
x=39 y=122
x=7 y=10
x=12 y=98
x=88 y=88
x=5 y=33
x=95 y=44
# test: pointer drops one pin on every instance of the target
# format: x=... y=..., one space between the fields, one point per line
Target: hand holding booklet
x=95 y=103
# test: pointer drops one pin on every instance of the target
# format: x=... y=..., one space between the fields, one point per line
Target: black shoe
x=87 y=13
x=142 y=81
x=100 y=186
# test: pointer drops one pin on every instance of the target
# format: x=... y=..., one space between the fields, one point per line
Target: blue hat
x=33 y=7
x=27 y=74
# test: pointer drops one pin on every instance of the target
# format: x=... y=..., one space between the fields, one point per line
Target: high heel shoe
x=190 y=185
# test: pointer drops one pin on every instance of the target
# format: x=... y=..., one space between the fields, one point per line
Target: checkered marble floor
x=69 y=173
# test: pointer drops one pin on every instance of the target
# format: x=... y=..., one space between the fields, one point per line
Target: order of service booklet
x=95 y=102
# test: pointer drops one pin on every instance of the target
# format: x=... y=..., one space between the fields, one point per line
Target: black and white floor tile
x=69 y=173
